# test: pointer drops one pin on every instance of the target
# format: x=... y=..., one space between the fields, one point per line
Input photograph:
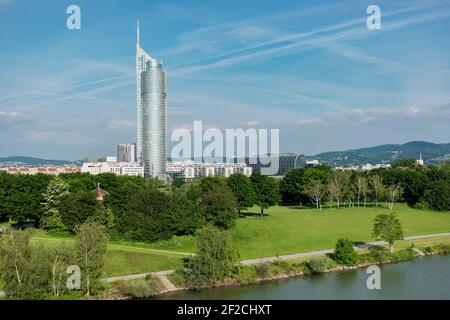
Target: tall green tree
x=90 y=250
x=437 y=195
x=377 y=187
x=266 y=190
x=242 y=189
x=215 y=259
x=76 y=208
x=388 y=228
x=291 y=187
x=51 y=220
x=218 y=205
x=25 y=271
x=315 y=190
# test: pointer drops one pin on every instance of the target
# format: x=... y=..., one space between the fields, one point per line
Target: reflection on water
x=422 y=278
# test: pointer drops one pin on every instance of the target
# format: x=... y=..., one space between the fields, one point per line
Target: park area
x=282 y=230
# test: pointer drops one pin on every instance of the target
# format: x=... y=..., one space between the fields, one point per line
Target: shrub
x=262 y=270
x=140 y=289
x=215 y=260
x=319 y=264
x=345 y=253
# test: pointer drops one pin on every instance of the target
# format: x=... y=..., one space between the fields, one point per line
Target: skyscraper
x=126 y=152
x=151 y=148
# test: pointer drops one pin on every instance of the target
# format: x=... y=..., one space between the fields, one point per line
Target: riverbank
x=268 y=271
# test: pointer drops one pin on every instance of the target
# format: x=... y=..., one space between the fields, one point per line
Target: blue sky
x=310 y=68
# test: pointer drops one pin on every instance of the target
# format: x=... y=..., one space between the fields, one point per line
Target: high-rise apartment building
x=151 y=147
x=126 y=152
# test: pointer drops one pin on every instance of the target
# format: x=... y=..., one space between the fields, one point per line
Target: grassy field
x=125 y=258
x=284 y=230
x=288 y=230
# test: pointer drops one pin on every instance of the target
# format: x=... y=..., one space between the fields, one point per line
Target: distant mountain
x=388 y=153
x=30 y=161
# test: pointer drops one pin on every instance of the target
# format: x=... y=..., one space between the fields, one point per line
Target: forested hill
x=30 y=161
x=388 y=153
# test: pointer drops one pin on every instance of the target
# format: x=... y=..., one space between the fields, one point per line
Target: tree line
x=150 y=210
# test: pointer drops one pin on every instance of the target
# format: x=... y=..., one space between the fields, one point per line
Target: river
x=421 y=278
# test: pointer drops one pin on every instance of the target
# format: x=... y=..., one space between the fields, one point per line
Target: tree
x=340 y=180
x=51 y=220
x=344 y=252
x=90 y=250
x=76 y=208
x=315 y=191
x=61 y=257
x=266 y=190
x=377 y=187
x=218 y=205
x=242 y=189
x=404 y=163
x=331 y=192
x=24 y=270
x=361 y=189
x=388 y=228
x=437 y=195
x=394 y=192
x=215 y=259
x=151 y=215
x=291 y=186
x=105 y=217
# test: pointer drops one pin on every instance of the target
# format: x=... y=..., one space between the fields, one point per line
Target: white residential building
x=189 y=169
x=118 y=168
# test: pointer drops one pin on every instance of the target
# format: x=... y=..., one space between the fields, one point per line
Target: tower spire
x=138 y=35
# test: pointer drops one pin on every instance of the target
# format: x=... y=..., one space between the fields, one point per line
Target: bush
x=262 y=270
x=345 y=253
x=140 y=289
x=215 y=259
x=319 y=264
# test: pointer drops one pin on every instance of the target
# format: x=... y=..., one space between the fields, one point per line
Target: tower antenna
x=138 y=35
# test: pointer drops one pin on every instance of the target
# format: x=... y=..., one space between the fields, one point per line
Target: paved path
x=2 y=294
x=321 y=252
x=285 y=257
x=420 y=253
x=138 y=276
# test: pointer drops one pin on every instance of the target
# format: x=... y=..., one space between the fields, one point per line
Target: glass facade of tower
x=151 y=148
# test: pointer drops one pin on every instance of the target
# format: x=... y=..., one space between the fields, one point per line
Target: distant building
x=44 y=170
x=311 y=163
x=99 y=193
x=126 y=152
x=189 y=169
x=285 y=161
x=364 y=167
x=420 y=161
x=118 y=168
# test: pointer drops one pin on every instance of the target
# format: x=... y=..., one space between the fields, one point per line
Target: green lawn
x=119 y=263
x=288 y=230
x=284 y=230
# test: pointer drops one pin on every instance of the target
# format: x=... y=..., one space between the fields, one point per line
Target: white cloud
x=252 y=123
x=11 y=114
x=362 y=116
x=120 y=124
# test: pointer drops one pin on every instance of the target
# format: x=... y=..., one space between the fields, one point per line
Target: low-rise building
x=189 y=169
x=118 y=168
x=44 y=170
